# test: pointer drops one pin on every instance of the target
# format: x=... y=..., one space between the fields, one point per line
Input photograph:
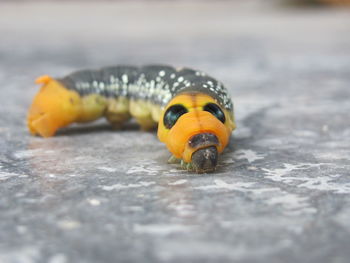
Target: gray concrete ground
x=91 y=194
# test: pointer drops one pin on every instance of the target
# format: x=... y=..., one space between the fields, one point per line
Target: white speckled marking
x=94 y=202
x=125 y=78
x=321 y=183
x=107 y=169
x=69 y=224
x=220 y=184
x=178 y=182
x=160 y=229
x=121 y=186
x=250 y=155
x=4 y=175
x=145 y=167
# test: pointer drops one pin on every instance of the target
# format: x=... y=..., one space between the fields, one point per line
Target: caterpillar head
x=195 y=129
x=53 y=107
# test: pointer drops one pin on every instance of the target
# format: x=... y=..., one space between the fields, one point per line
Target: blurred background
x=250 y=39
x=281 y=192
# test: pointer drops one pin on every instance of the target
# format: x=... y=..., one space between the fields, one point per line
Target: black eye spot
x=216 y=111
x=172 y=114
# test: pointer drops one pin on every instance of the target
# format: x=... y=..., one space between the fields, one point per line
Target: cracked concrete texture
x=91 y=194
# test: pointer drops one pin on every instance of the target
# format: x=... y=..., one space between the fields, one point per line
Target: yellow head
x=195 y=128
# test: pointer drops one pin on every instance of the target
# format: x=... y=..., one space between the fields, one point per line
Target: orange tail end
x=53 y=107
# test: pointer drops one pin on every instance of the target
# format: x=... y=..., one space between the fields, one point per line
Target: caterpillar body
x=193 y=111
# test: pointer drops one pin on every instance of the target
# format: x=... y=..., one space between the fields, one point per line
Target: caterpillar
x=193 y=111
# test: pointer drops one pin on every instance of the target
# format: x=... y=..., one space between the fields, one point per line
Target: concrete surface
x=91 y=194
